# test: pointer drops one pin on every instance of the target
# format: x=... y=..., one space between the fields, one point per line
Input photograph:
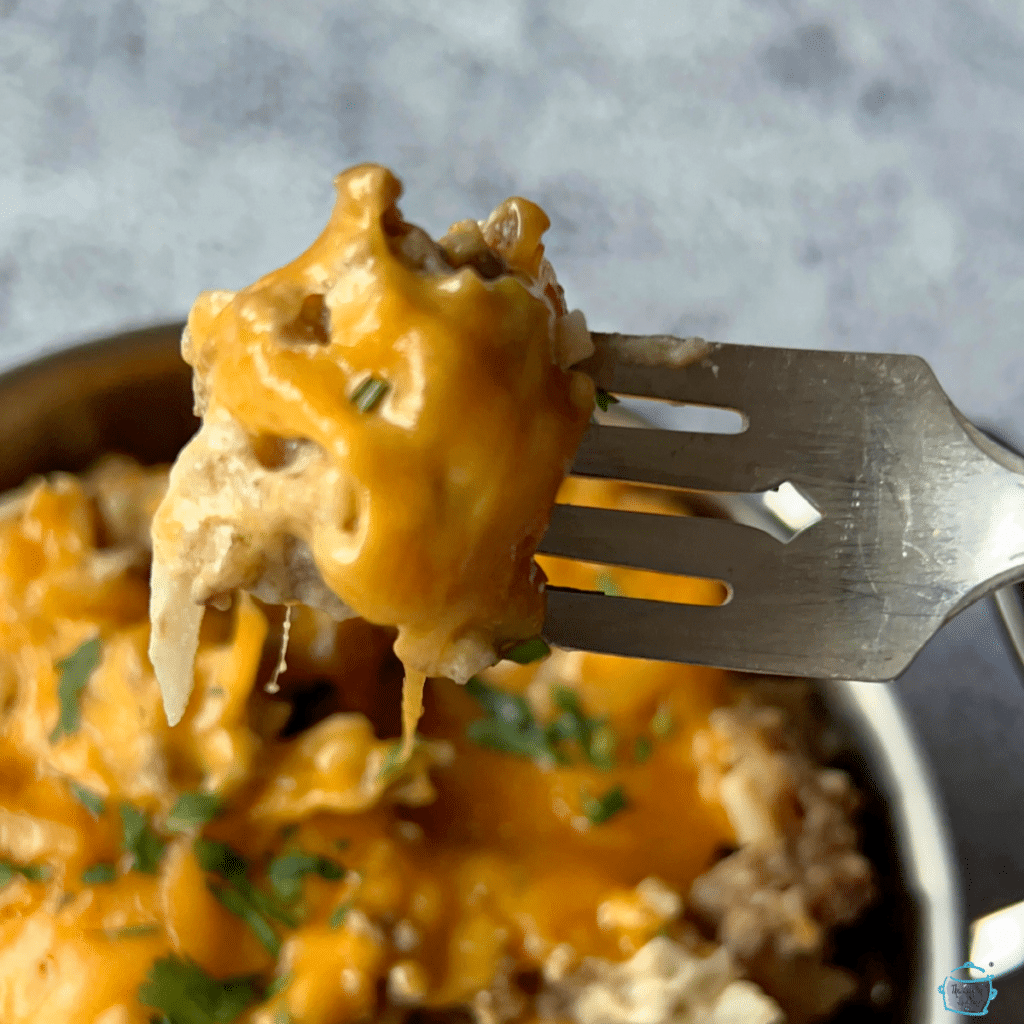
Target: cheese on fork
x=386 y=421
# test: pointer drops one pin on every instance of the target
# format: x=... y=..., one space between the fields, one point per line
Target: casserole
x=132 y=394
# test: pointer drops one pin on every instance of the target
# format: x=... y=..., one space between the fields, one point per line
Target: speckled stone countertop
x=771 y=171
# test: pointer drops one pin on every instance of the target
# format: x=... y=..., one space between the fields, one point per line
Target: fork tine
x=671 y=458
x=683 y=545
x=729 y=636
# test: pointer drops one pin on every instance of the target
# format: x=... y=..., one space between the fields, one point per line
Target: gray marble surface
x=793 y=172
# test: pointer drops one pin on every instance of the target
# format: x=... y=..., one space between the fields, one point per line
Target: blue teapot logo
x=967 y=995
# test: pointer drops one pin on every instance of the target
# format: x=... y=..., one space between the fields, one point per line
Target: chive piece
x=220 y=859
x=91 y=801
x=75 y=670
x=287 y=872
x=601 y=748
x=527 y=651
x=30 y=872
x=661 y=723
x=239 y=895
x=594 y=736
x=602 y=399
x=235 y=901
x=642 y=750
x=278 y=985
x=99 y=874
x=192 y=810
x=392 y=764
x=134 y=931
x=185 y=994
x=139 y=839
x=509 y=727
x=369 y=393
x=341 y=912
x=36 y=872
x=599 y=809
x=607 y=585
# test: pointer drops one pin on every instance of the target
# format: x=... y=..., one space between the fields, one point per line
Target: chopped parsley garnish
x=287 y=871
x=219 y=858
x=133 y=931
x=594 y=736
x=642 y=750
x=139 y=839
x=92 y=802
x=341 y=912
x=509 y=727
x=75 y=670
x=599 y=809
x=527 y=651
x=193 y=810
x=278 y=985
x=237 y=901
x=185 y=994
x=30 y=872
x=239 y=895
x=99 y=874
x=602 y=399
x=661 y=723
x=369 y=393
x=393 y=762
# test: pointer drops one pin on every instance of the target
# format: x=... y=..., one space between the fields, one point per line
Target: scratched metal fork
x=921 y=514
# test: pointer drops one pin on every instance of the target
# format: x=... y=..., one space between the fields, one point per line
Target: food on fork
x=386 y=421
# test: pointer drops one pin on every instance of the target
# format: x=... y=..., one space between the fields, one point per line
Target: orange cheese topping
x=386 y=423
x=460 y=866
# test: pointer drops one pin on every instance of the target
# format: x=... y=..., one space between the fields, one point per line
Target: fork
x=921 y=514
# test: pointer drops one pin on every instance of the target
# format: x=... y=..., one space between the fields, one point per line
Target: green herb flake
x=36 y=872
x=278 y=985
x=75 y=670
x=602 y=746
x=91 y=801
x=599 y=809
x=99 y=874
x=369 y=393
x=341 y=912
x=642 y=750
x=239 y=895
x=596 y=739
x=607 y=585
x=287 y=871
x=235 y=900
x=393 y=762
x=602 y=399
x=219 y=858
x=30 y=872
x=134 y=931
x=193 y=810
x=527 y=651
x=185 y=994
x=661 y=723
x=509 y=727
x=139 y=839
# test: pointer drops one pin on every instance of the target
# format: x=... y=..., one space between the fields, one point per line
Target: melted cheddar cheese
x=386 y=422
x=464 y=866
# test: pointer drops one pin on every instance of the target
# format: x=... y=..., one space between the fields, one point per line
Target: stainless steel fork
x=921 y=514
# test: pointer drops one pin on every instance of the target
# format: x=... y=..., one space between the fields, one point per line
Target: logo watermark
x=971 y=994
